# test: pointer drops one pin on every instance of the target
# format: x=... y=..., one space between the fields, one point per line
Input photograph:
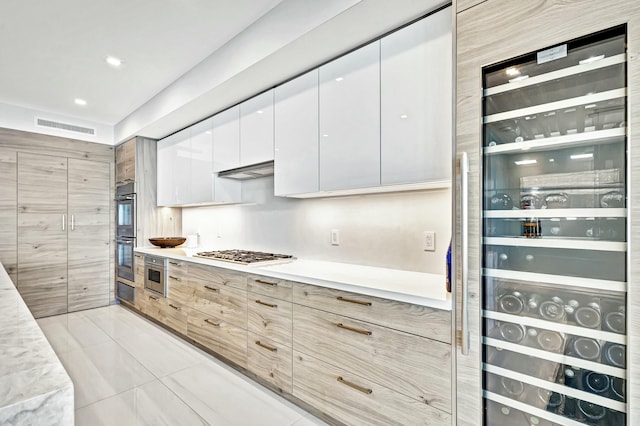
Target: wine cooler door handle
x=464 y=251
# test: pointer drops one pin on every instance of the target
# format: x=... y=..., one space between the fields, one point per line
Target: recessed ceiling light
x=260 y=111
x=403 y=116
x=79 y=101
x=339 y=78
x=113 y=61
x=208 y=132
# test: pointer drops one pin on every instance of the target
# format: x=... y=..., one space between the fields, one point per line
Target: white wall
x=378 y=230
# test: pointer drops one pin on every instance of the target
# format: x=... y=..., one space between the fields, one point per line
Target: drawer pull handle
x=353 y=385
x=357 y=302
x=215 y=324
x=157 y=299
x=138 y=256
x=177 y=308
x=175 y=278
x=268 y=347
x=179 y=265
x=267 y=283
x=271 y=305
x=217 y=290
x=355 y=330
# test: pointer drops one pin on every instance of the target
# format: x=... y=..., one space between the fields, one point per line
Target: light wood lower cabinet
x=220 y=336
x=420 y=320
x=355 y=400
x=400 y=361
x=270 y=317
x=8 y=212
x=270 y=360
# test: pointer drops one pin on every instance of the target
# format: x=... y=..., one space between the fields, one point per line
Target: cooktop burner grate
x=245 y=257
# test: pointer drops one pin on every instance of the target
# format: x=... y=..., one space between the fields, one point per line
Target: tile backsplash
x=383 y=230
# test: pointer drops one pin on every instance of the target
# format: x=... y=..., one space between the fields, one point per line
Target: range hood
x=252 y=171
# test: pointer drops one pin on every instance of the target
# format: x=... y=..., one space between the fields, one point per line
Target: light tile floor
x=128 y=371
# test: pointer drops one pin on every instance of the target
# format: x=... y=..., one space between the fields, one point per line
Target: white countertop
x=418 y=288
x=34 y=386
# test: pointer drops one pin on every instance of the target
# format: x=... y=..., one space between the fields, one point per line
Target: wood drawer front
x=316 y=383
x=138 y=262
x=180 y=290
x=270 y=360
x=217 y=276
x=412 y=365
x=174 y=316
x=280 y=289
x=420 y=320
x=226 y=303
x=219 y=336
x=270 y=317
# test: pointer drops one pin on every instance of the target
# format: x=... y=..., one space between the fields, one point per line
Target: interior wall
x=384 y=230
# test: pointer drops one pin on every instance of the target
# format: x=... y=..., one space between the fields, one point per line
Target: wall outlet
x=335 y=237
x=429 y=240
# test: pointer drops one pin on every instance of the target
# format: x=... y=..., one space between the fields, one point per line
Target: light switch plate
x=335 y=237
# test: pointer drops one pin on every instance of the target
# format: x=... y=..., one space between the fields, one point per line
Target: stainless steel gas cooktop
x=245 y=257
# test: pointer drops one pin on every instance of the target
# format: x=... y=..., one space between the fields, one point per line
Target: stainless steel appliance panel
x=125 y=260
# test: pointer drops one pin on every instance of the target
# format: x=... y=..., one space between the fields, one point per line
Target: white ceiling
x=54 y=51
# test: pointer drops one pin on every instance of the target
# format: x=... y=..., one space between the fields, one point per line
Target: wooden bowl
x=164 y=242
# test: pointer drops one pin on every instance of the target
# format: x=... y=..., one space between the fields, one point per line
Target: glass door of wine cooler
x=554 y=274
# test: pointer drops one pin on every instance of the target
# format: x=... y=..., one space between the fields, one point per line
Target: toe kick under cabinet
x=358 y=359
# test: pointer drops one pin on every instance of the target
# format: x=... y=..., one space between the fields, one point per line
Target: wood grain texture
x=486 y=36
x=226 y=303
x=204 y=274
x=273 y=363
x=462 y=5
x=419 y=320
x=89 y=242
x=42 y=263
x=315 y=382
x=56 y=146
x=270 y=317
x=126 y=161
x=221 y=337
x=42 y=184
x=412 y=365
x=280 y=289
x=8 y=212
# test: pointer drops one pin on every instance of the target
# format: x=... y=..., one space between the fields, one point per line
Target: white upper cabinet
x=174 y=161
x=350 y=120
x=296 y=135
x=256 y=129
x=201 y=167
x=416 y=96
x=226 y=154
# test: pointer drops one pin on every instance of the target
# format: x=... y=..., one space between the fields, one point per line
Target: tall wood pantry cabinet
x=547 y=212
x=63 y=233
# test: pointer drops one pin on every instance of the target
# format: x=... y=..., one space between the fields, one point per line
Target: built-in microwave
x=155 y=274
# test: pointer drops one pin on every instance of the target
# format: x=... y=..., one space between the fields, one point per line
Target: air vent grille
x=42 y=122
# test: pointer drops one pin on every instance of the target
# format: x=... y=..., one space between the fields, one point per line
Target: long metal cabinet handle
x=268 y=347
x=464 y=253
x=355 y=330
x=353 y=385
x=73 y=223
x=271 y=305
x=266 y=282
x=213 y=323
x=357 y=302
x=64 y=220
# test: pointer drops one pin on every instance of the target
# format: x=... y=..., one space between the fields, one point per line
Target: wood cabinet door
x=88 y=234
x=42 y=233
x=126 y=162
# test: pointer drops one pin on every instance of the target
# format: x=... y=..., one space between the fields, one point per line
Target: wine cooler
x=554 y=235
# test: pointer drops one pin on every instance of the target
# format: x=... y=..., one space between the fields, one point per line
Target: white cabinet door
x=256 y=129
x=350 y=120
x=201 y=167
x=416 y=102
x=296 y=135
x=226 y=154
x=174 y=159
